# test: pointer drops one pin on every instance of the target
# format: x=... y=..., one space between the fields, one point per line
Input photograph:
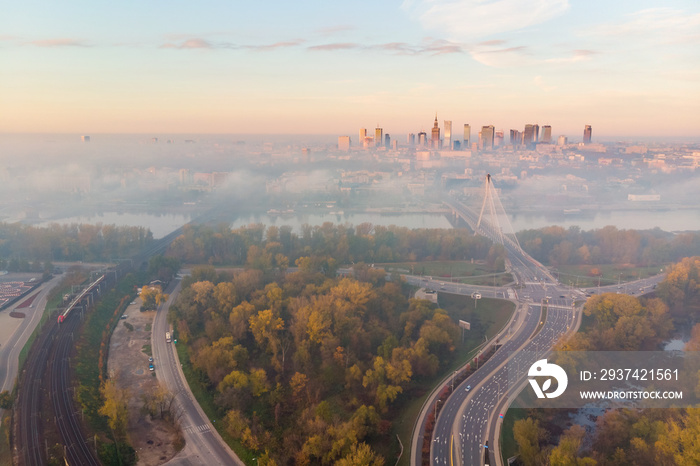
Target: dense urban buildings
x=489 y=138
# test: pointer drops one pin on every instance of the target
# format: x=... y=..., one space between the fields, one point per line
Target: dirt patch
x=154 y=439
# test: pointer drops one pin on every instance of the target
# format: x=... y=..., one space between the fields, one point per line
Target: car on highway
x=469 y=387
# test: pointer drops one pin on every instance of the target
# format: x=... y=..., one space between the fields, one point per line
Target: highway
x=470 y=416
x=9 y=352
x=203 y=445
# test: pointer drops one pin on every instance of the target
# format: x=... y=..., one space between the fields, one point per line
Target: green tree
x=6 y=400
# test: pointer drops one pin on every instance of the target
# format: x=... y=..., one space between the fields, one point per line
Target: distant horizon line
x=596 y=138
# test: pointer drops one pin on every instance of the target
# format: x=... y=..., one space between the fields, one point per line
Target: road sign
x=465 y=325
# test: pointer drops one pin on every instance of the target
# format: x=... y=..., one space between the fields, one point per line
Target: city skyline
x=290 y=69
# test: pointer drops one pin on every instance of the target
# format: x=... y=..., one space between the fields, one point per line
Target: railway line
x=76 y=449
x=29 y=432
x=50 y=356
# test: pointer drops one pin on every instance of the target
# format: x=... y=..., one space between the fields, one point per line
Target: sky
x=628 y=68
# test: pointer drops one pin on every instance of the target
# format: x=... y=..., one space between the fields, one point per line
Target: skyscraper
x=363 y=135
x=344 y=143
x=487 y=135
x=547 y=134
x=516 y=137
x=435 y=141
x=378 y=136
x=422 y=139
x=498 y=139
x=387 y=140
x=529 y=135
x=448 y=134
x=411 y=139
x=467 y=136
x=587 y=134
x=536 y=130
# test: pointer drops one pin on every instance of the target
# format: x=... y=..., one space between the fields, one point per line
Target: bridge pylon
x=496 y=224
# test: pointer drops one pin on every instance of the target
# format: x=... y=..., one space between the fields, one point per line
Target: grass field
x=508 y=446
x=581 y=275
x=457 y=271
x=489 y=316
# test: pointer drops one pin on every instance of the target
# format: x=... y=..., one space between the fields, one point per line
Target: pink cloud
x=63 y=42
x=189 y=44
x=336 y=46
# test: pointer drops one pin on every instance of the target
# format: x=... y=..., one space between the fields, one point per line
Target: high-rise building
x=529 y=136
x=547 y=134
x=456 y=145
x=516 y=137
x=422 y=139
x=498 y=139
x=344 y=143
x=363 y=135
x=387 y=140
x=435 y=140
x=587 y=134
x=411 y=140
x=448 y=134
x=378 y=136
x=536 y=130
x=487 y=135
x=467 y=136
x=562 y=141
x=185 y=177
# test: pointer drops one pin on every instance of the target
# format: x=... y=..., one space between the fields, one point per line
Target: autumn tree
x=152 y=297
x=528 y=435
x=115 y=407
x=361 y=455
x=566 y=453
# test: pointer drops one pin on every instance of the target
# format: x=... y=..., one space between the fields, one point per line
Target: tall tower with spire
x=435 y=141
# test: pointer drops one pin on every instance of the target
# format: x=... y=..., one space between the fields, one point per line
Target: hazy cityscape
x=415 y=233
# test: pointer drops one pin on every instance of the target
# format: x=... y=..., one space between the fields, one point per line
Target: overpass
x=469 y=419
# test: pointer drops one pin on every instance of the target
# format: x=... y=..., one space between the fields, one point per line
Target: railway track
x=29 y=429
x=50 y=357
x=77 y=450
